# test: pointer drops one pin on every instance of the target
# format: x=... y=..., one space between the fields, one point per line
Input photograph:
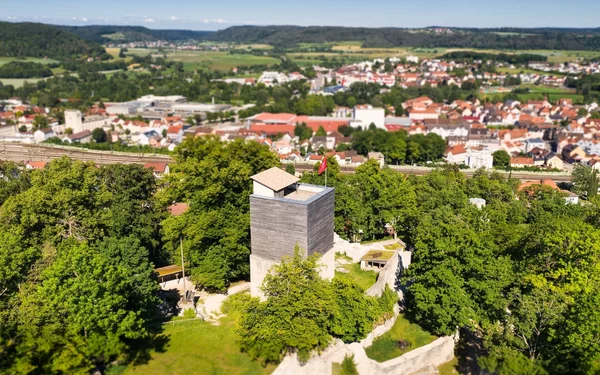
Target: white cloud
x=148 y=20
x=80 y=19
x=214 y=20
x=173 y=18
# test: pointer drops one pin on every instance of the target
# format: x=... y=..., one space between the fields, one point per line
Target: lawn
x=365 y=279
x=386 y=347
x=198 y=348
x=449 y=368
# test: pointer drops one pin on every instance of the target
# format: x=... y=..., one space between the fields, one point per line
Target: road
x=25 y=152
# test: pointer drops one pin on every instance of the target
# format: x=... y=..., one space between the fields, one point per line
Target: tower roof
x=275 y=179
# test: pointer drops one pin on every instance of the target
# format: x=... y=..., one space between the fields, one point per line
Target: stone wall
x=426 y=357
x=387 y=276
x=429 y=356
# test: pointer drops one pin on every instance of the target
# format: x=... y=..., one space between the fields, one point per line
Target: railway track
x=26 y=152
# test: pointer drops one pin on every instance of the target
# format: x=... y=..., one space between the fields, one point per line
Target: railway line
x=27 y=152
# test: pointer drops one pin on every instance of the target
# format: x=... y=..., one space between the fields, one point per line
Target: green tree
x=321 y=132
x=40 y=122
x=99 y=135
x=501 y=159
x=355 y=313
x=214 y=177
x=585 y=181
x=290 y=169
x=294 y=317
x=83 y=301
x=302 y=131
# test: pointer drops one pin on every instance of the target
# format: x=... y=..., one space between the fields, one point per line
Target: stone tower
x=283 y=214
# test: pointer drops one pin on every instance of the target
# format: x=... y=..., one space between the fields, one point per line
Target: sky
x=220 y=14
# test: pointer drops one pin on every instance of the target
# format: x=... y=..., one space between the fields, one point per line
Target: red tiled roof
x=272 y=129
x=457 y=150
x=175 y=129
x=178 y=208
x=281 y=117
x=549 y=183
x=37 y=164
x=521 y=161
x=156 y=167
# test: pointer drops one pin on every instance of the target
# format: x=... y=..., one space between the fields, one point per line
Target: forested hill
x=543 y=38
x=124 y=34
x=40 y=40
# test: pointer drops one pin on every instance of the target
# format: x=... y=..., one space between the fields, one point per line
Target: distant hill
x=125 y=34
x=40 y=40
x=501 y=38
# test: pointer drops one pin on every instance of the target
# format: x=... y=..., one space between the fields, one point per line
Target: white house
x=81 y=137
x=175 y=133
x=42 y=135
x=456 y=155
x=366 y=115
x=145 y=138
x=479 y=159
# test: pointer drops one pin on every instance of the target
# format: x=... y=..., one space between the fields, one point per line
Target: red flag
x=323 y=166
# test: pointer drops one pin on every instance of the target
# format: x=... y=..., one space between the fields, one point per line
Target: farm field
x=218 y=60
x=6 y=60
x=18 y=82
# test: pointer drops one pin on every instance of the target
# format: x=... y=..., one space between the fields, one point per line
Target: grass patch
x=387 y=346
x=449 y=368
x=342 y=256
x=395 y=246
x=365 y=279
x=336 y=368
x=199 y=348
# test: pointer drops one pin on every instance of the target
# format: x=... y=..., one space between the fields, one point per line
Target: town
x=545 y=134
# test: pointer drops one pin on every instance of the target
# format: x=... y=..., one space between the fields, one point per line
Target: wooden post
x=182 y=265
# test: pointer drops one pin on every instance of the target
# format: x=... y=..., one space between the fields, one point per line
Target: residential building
x=365 y=115
x=159 y=170
x=81 y=137
x=42 y=135
x=479 y=158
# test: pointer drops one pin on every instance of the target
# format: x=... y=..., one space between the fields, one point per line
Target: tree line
x=291 y=36
x=38 y=40
x=23 y=69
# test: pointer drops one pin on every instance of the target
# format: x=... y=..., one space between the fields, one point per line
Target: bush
x=236 y=304
x=348 y=366
x=189 y=314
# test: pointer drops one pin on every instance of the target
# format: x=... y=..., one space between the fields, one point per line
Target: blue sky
x=219 y=14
